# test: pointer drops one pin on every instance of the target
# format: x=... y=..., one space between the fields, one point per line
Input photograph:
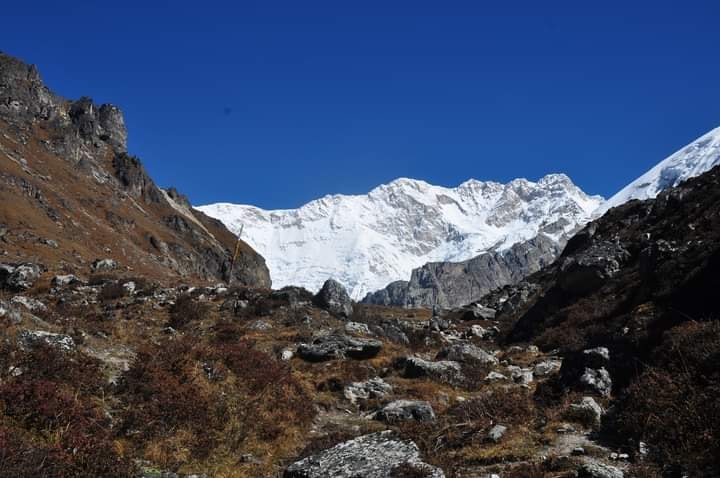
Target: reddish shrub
x=185 y=311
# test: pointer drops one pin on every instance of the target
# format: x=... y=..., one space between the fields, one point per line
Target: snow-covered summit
x=694 y=159
x=368 y=241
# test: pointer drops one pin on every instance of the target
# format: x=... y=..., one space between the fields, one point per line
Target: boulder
x=599 y=470
x=466 y=353
x=546 y=367
x=64 y=280
x=334 y=298
x=404 y=410
x=20 y=277
x=32 y=338
x=378 y=455
x=496 y=433
x=33 y=305
x=597 y=380
x=357 y=328
x=367 y=390
x=587 y=411
x=331 y=347
x=416 y=367
x=104 y=265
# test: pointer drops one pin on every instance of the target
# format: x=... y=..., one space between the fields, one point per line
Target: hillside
x=70 y=194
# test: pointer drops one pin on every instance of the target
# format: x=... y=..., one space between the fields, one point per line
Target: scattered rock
x=334 y=298
x=416 y=367
x=496 y=433
x=370 y=389
x=597 y=380
x=260 y=325
x=466 y=352
x=286 y=355
x=331 y=347
x=547 y=367
x=31 y=338
x=64 y=280
x=483 y=333
x=493 y=376
x=370 y=456
x=522 y=376
x=20 y=277
x=587 y=411
x=33 y=305
x=104 y=265
x=403 y=410
x=357 y=328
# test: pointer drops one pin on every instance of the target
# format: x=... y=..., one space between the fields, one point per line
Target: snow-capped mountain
x=368 y=241
x=694 y=159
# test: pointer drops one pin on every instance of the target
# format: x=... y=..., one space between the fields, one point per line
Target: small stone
x=578 y=451
x=597 y=380
x=587 y=411
x=104 y=265
x=286 y=355
x=496 y=433
x=64 y=280
x=357 y=328
x=493 y=376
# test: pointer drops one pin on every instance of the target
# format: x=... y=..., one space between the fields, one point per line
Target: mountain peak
x=692 y=160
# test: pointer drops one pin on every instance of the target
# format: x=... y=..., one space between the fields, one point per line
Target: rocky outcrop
x=334 y=298
x=453 y=284
x=332 y=347
x=403 y=410
x=378 y=455
x=19 y=277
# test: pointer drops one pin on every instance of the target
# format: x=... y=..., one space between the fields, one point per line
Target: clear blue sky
x=275 y=103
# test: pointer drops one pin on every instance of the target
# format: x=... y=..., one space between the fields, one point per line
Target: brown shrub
x=186 y=310
x=673 y=405
x=112 y=291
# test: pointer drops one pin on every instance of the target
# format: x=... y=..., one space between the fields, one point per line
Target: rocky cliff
x=70 y=194
x=452 y=284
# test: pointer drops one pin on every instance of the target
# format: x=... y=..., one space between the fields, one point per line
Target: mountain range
x=368 y=241
x=410 y=243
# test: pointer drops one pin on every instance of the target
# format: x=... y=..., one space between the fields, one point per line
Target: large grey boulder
x=331 y=347
x=466 y=353
x=403 y=410
x=19 y=277
x=597 y=380
x=334 y=298
x=599 y=470
x=369 y=389
x=33 y=338
x=371 y=456
x=588 y=411
x=416 y=367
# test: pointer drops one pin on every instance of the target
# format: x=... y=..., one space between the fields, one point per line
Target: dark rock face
x=332 y=347
x=369 y=456
x=452 y=284
x=334 y=298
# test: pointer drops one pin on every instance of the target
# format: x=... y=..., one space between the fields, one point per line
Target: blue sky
x=275 y=103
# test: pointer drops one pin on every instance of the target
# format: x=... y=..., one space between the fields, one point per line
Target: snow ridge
x=694 y=159
x=368 y=241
